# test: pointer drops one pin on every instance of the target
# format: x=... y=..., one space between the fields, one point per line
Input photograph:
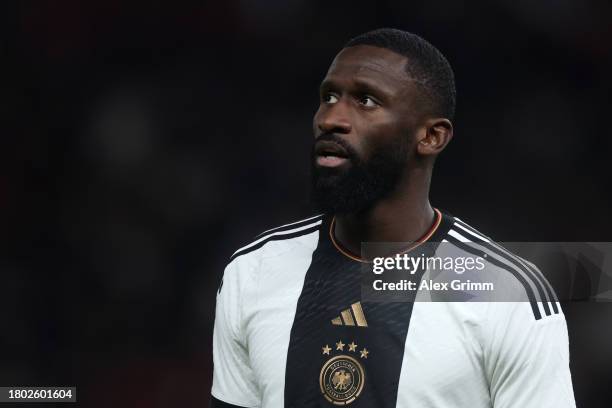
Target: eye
x=368 y=101
x=330 y=98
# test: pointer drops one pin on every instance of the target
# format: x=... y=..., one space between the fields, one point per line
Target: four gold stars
x=351 y=347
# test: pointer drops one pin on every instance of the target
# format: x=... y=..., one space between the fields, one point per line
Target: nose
x=333 y=119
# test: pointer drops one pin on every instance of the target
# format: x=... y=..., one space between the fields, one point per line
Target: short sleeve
x=233 y=379
x=527 y=359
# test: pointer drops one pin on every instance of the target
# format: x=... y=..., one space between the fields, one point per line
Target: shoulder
x=520 y=279
x=279 y=239
x=286 y=242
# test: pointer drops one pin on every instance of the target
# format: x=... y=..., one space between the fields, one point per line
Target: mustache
x=331 y=137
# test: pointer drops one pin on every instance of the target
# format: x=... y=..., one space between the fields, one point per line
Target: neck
x=404 y=216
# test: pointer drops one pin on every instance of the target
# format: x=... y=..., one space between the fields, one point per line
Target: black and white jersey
x=291 y=330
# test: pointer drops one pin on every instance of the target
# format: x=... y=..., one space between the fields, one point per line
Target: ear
x=438 y=132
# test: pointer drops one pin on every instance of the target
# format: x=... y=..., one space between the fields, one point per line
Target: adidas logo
x=351 y=317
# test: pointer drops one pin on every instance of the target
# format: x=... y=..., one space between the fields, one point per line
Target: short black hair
x=426 y=65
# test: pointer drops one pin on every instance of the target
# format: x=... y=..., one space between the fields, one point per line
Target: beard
x=365 y=182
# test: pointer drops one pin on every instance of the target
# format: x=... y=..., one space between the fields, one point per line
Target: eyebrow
x=326 y=84
x=361 y=84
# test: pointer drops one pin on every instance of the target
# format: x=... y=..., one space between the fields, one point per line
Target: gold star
x=340 y=345
x=352 y=346
x=364 y=353
x=326 y=349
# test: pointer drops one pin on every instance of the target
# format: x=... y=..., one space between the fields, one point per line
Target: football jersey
x=292 y=330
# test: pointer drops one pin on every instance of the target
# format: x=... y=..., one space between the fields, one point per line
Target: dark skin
x=368 y=99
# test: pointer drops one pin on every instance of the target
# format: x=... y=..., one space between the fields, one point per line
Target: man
x=292 y=328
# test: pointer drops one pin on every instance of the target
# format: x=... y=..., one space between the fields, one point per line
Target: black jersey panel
x=341 y=354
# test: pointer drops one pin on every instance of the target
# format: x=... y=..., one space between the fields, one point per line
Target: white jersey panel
x=527 y=361
x=269 y=317
x=442 y=363
x=233 y=379
x=255 y=312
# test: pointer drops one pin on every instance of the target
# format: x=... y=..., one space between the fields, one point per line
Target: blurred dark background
x=144 y=142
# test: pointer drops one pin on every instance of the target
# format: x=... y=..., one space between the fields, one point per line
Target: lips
x=330 y=154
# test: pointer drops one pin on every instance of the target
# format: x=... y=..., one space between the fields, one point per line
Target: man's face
x=363 y=129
